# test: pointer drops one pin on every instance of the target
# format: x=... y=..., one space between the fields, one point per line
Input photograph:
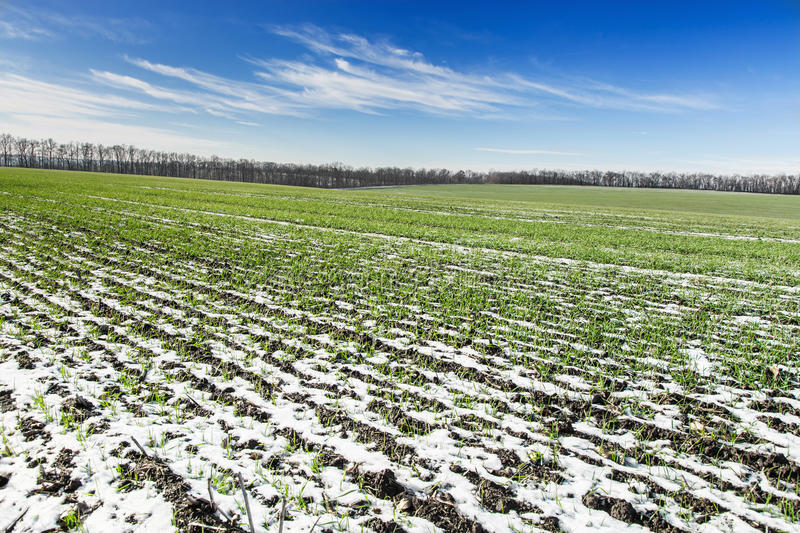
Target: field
x=465 y=358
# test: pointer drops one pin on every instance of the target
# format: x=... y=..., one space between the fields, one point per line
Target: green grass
x=684 y=201
x=588 y=224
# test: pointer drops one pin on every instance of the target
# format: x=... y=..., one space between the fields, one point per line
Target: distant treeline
x=127 y=159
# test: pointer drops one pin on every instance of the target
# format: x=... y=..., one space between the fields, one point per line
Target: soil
x=379 y=526
x=191 y=514
x=382 y=484
x=32 y=429
x=80 y=408
x=58 y=478
x=6 y=401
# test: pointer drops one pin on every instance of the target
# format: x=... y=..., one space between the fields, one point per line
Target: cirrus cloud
x=348 y=71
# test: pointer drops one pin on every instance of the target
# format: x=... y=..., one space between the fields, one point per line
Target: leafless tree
x=6 y=147
x=87 y=153
x=22 y=151
x=118 y=151
x=102 y=153
x=48 y=149
x=129 y=159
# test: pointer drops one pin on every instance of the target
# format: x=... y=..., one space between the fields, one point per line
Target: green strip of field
x=685 y=201
x=742 y=236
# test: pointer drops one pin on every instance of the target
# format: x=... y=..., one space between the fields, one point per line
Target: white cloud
x=36 y=109
x=406 y=68
x=217 y=96
x=37 y=24
x=295 y=88
x=154 y=91
x=356 y=87
x=350 y=72
x=23 y=95
x=9 y=30
x=655 y=101
x=342 y=71
x=524 y=152
x=357 y=47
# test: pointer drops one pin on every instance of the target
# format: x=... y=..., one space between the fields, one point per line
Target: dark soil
x=24 y=361
x=539 y=472
x=496 y=497
x=382 y=484
x=6 y=402
x=440 y=509
x=79 y=408
x=191 y=514
x=330 y=458
x=623 y=511
x=549 y=523
x=395 y=415
x=58 y=478
x=32 y=429
x=379 y=526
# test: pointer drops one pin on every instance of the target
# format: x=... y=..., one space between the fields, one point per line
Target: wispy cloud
x=347 y=71
x=357 y=47
x=652 y=100
x=39 y=24
x=223 y=95
x=350 y=86
x=25 y=95
x=604 y=96
x=337 y=71
x=35 y=108
x=219 y=98
x=524 y=152
x=21 y=30
x=386 y=64
x=297 y=88
x=352 y=72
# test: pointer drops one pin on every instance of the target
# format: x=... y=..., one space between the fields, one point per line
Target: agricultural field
x=203 y=356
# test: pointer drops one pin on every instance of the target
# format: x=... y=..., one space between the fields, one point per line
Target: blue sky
x=709 y=86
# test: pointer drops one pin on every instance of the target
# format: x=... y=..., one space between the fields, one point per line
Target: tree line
x=127 y=159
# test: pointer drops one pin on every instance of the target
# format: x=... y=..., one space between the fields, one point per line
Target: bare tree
x=102 y=153
x=75 y=155
x=118 y=151
x=129 y=159
x=87 y=153
x=62 y=155
x=22 y=151
x=48 y=151
x=6 y=147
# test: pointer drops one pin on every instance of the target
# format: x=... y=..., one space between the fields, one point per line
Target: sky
x=711 y=86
